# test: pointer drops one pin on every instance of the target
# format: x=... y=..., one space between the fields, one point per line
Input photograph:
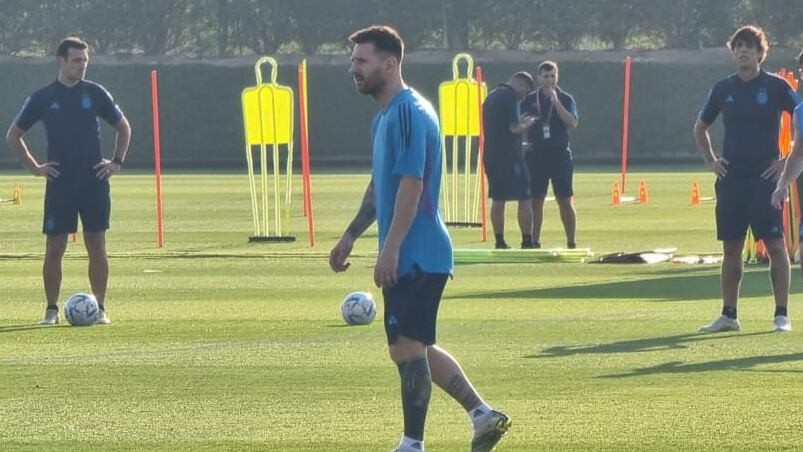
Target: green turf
x=218 y=344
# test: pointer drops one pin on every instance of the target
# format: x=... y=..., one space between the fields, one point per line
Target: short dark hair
x=68 y=43
x=547 y=65
x=752 y=36
x=383 y=37
x=525 y=77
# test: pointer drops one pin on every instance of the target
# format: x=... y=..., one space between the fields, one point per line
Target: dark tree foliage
x=225 y=28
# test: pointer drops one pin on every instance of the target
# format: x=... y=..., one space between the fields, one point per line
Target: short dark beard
x=372 y=90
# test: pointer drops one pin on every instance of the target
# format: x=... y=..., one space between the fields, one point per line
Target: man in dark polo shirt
x=547 y=153
x=751 y=102
x=77 y=174
x=508 y=178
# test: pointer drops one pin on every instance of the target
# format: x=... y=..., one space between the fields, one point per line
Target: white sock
x=480 y=414
x=411 y=443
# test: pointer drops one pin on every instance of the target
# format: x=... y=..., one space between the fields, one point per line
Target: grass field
x=217 y=344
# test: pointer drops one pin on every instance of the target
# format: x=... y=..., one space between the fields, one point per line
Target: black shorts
x=411 y=306
x=64 y=203
x=743 y=202
x=559 y=169
x=508 y=181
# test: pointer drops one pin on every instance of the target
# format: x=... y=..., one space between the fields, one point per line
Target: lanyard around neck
x=538 y=107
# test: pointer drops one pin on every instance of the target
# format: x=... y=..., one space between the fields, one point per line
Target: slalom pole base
x=463 y=224
x=271 y=239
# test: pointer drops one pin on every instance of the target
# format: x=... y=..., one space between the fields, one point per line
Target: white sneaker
x=407 y=449
x=781 y=324
x=722 y=323
x=490 y=432
x=101 y=318
x=51 y=317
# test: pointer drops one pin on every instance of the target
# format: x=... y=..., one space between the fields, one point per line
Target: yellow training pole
x=455 y=173
x=276 y=171
x=288 y=187
x=445 y=181
x=253 y=135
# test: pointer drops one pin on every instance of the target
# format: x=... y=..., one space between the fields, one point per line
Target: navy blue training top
x=558 y=142
x=70 y=116
x=751 y=112
x=500 y=110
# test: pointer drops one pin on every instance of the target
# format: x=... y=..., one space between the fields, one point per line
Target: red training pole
x=625 y=121
x=478 y=76
x=300 y=73
x=305 y=167
x=157 y=158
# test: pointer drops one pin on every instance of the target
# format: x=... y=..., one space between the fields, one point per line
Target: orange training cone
x=761 y=251
x=616 y=196
x=643 y=197
x=695 y=194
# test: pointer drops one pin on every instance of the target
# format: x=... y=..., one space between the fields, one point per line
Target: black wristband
x=117 y=160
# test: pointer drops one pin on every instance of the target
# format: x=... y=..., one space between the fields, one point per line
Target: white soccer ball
x=81 y=309
x=358 y=308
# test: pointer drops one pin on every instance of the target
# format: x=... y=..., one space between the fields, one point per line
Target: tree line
x=230 y=28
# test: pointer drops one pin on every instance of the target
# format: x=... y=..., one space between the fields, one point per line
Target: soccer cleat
x=781 y=324
x=722 y=323
x=101 y=318
x=502 y=246
x=51 y=317
x=488 y=435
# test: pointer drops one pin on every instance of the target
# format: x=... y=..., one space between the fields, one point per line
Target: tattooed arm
x=338 y=257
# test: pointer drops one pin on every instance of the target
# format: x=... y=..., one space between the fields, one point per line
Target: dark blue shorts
x=744 y=202
x=558 y=169
x=64 y=203
x=508 y=181
x=411 y=306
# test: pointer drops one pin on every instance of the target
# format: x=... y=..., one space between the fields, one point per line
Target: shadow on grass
x=15 y=328
x=670 y=288
x=740 y=364
x=679 y=341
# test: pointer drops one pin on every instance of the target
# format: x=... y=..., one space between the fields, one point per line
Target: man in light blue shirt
x=794 y=161
x=407 y=144
x=415 y=252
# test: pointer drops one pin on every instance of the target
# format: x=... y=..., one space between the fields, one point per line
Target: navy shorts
x=64 y=203
x=411 y=306
x=558 y=169
x=508 y=181
x=744 y=202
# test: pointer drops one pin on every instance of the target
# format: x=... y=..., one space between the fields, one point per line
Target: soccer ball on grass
x=358 y=308
x=81 y=309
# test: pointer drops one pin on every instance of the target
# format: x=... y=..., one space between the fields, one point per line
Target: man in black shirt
x=548 y=154
x=751 y=102
x=77 y=174
x=508 y=178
